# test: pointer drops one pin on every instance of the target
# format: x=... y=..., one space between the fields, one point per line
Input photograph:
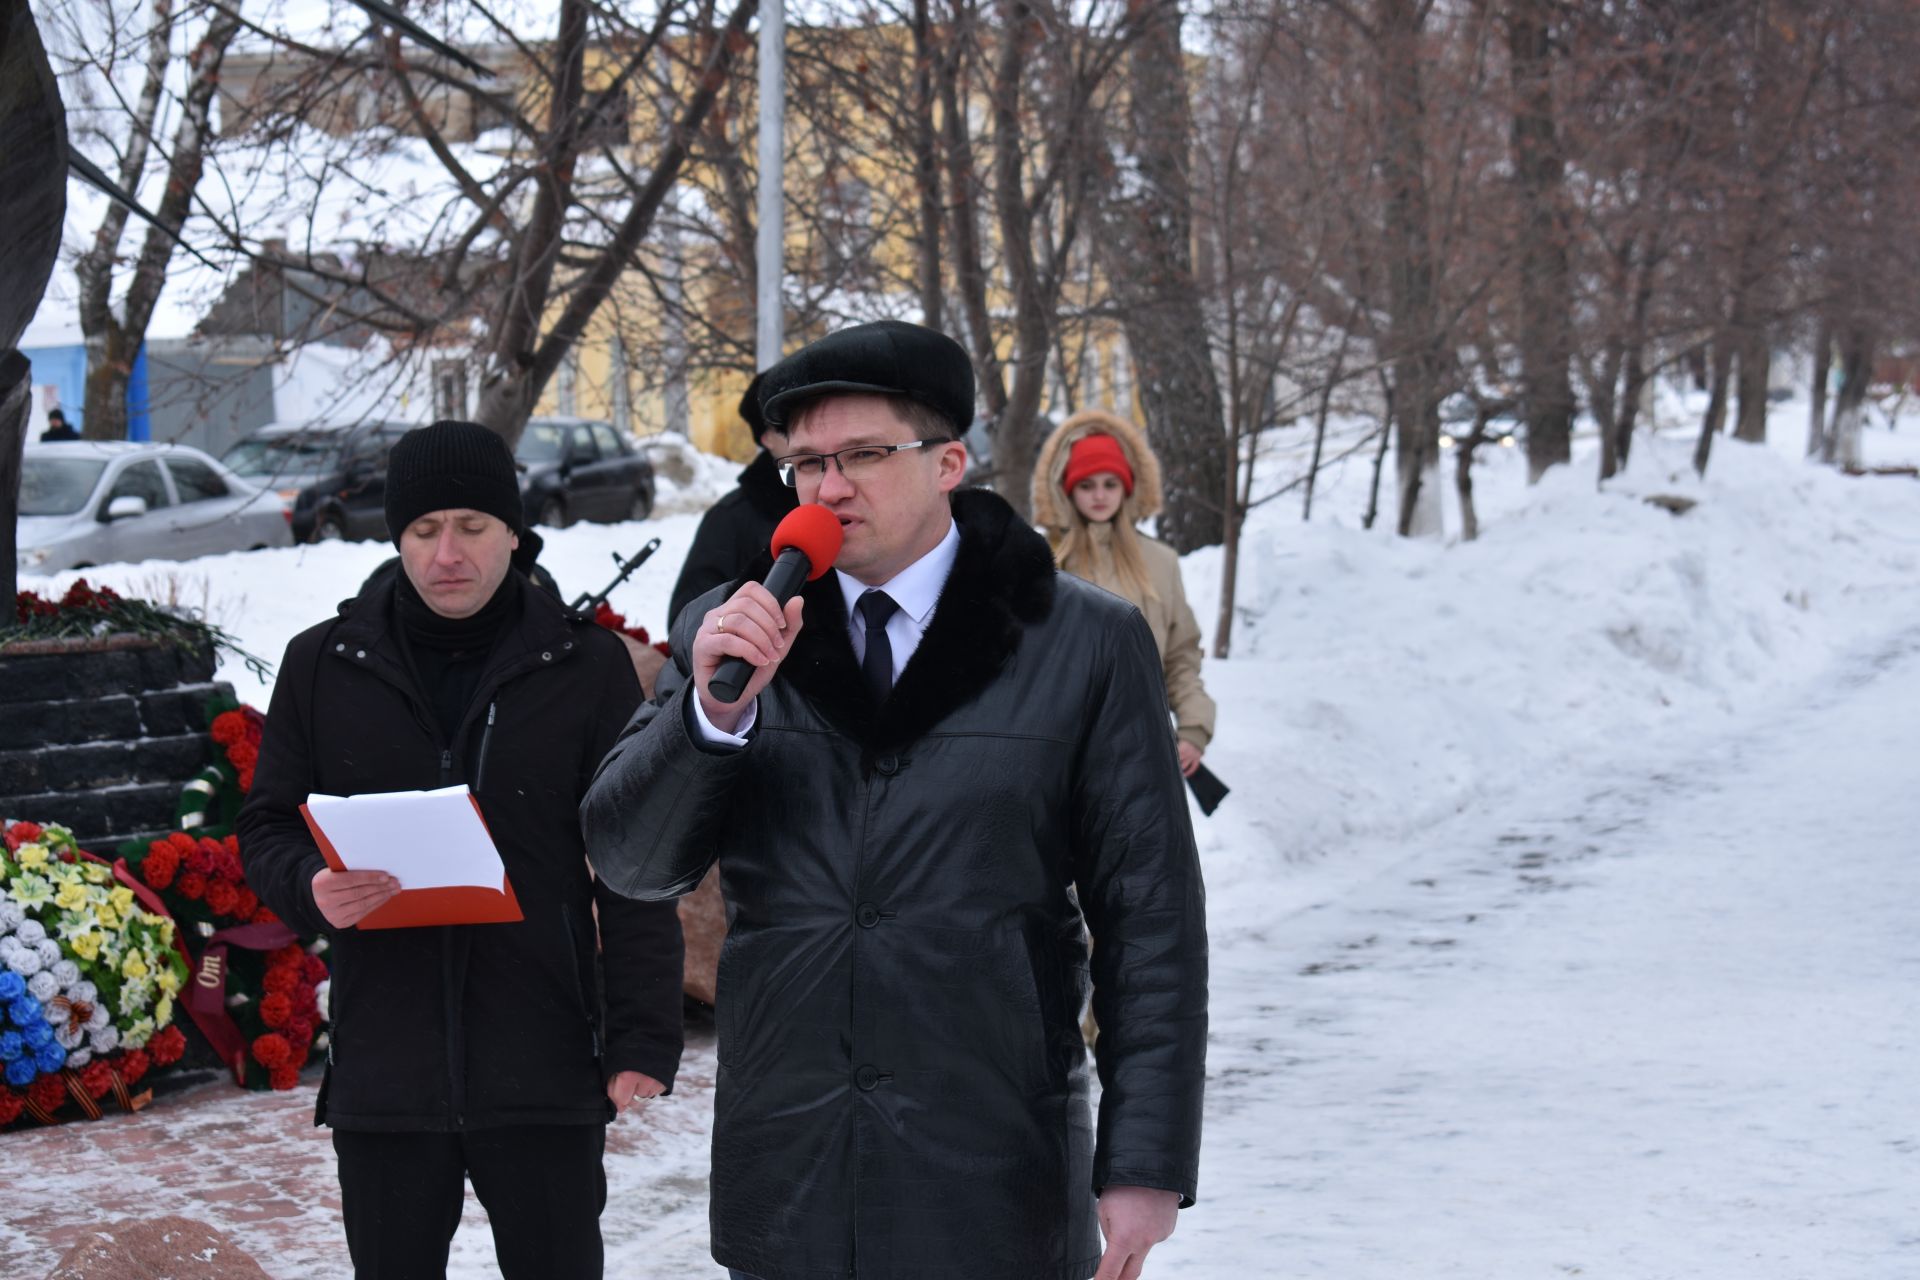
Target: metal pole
x=770 y=266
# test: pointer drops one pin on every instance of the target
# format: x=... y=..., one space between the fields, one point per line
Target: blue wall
x=66 y=369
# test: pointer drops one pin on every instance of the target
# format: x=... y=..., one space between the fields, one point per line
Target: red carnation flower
x=166 y=1047
x=200 y=862
x=283 y=1078
x=314 y=970
x=265 y=915
x=275 y=1009
x=229 y=727
x=282 y=957
x=281 y=980
x=23 y=833
x=97 y=1078
x=247 y=905
x=11 y=1105
x=133 y=1065
x=193 y=886
x=222 y=897
x=158 y=868
x=183 y=843
x=272 y=1050
x=299 y=1033
x=48 y=1092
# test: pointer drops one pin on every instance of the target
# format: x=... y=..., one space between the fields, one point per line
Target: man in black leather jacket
x=920 y=802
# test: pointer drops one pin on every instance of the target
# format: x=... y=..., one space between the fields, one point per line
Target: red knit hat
x=1093 y=454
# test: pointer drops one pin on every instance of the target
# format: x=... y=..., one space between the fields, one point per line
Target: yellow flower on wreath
x=163 y=1011
x=167 y=980
x=120 y=898
x=87 y=945
x=94 y=873
x=70 y=897
x=31 y=856
x=30 y=890
x=135 y=965
x=107 y=916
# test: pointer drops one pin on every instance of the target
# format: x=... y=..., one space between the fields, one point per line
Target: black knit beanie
x=451 y=465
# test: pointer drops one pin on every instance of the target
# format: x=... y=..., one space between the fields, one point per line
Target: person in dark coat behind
x=59 y=430
x=484 y=1052
x=736 y=529
x=913 y=802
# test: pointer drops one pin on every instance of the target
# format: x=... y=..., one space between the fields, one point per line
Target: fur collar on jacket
x=1002 y=581
x=1053 y=510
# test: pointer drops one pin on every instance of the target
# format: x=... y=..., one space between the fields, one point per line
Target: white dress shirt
x=915 y=589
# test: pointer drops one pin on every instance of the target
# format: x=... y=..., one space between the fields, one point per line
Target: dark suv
x=580 y=469
x=333 y=476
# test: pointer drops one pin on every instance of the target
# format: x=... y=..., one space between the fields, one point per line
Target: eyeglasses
x=812 y=467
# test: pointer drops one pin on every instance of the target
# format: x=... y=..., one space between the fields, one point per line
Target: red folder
x=450 y=904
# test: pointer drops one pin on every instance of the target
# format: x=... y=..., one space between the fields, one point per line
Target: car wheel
x=329 y=527
x=553 y=514
x=642 y=506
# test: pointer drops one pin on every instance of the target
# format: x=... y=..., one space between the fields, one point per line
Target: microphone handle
x=784 y=580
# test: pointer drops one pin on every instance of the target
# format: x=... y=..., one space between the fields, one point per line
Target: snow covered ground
x=1562 y=913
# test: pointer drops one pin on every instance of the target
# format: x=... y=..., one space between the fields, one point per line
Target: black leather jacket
x=903 y=1088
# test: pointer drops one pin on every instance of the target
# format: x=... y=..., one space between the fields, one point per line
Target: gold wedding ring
x=721 y=625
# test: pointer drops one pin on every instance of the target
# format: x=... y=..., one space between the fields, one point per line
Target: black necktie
x=875 y=608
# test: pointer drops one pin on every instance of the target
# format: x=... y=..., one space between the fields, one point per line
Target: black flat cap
x=887 y=357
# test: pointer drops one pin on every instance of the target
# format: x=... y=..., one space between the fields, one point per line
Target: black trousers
x=543 y=1187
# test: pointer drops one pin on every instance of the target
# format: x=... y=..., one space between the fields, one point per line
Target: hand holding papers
x=433 y=842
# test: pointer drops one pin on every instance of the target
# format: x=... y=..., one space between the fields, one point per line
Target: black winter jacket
x=734 y=533
x=472 y=1026
x=903 y=1088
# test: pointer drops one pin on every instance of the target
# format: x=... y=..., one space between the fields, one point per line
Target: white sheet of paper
x=424 y=839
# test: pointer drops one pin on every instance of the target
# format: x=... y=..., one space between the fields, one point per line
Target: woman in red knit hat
x=1095 y=480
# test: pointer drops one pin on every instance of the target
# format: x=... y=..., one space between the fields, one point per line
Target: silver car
x=85 y=503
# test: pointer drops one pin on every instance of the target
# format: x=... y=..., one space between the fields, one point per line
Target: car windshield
x=283 y=456
x=58 y=486
x=541 y=442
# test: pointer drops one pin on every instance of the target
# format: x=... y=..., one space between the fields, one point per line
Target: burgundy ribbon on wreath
x=205 y=998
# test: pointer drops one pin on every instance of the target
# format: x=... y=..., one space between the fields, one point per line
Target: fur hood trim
x=1052 y=508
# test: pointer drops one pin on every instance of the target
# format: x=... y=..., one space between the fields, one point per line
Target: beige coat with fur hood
x=1175 y=630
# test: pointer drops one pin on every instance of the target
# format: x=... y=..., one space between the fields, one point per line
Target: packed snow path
x=1659 y=1022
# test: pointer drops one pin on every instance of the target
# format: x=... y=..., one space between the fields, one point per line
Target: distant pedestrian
x=58 y=429
x=1095 y=479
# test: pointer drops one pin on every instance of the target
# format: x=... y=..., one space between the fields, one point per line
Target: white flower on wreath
x=105 y=1039
x=68 y=1036
x=138 y=1032
x=42 y=987
x=49 y=952
x=86 y=993
x=77 y=1058
x=30 y=891
x=25 y=961
x=12 y=915
x=321 y=996
x=66 y=973
x=31 y=932
x=136 y=995
x=99 y=1018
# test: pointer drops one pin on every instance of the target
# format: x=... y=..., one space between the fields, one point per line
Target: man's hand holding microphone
x=743 y=641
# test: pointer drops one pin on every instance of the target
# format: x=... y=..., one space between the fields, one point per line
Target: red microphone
x=804 y=547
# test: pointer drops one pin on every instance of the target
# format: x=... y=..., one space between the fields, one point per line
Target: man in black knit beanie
x=491 y=1053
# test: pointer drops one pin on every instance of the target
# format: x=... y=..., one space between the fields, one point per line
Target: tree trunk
x=1149 y=251
x=1320 y=420
x=1379 y=455
x=1635 y=382
x=16 y=402
x=1412 y=311
x=1715 y=417
x=1856 y=369
x=1017 y=434
x=1546 y=326
x=1822 y=370
x=926 y=169
x=113 y=343
x=1750 y=423
x=969 y=269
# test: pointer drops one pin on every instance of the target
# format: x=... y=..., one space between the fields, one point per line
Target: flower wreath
x=90 y=970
